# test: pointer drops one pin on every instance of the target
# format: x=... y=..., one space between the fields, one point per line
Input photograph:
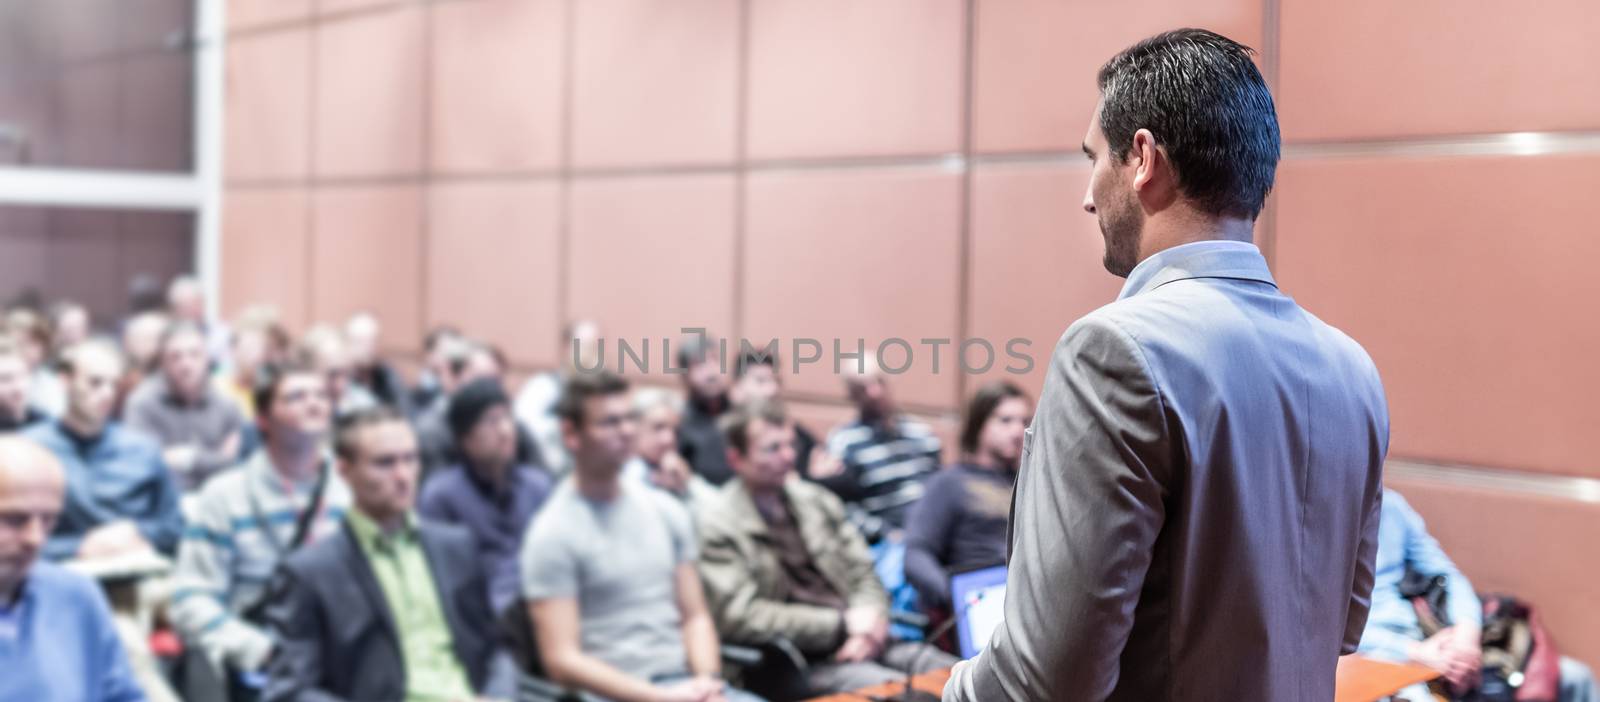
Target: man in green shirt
x=393 y=608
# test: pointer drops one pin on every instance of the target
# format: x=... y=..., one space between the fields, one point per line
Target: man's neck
x=494 y=473
x=597 y=484
x=185 y=396
x=766 y=498
x=1181 y=224
x=12 y=420
x=389 y=524
x=83 y=426
x=297 y=462
x=878 y=420
x=712 y=405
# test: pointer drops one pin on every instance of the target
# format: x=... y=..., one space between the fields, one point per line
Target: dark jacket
x=700 y=441
x=386 y=385
x=337 y=638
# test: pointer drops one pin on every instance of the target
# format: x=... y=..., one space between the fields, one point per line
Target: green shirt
x=432 y=671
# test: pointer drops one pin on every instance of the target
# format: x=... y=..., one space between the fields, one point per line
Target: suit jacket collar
x=355 y=560
x=742 y=508
x=445 y=583
x=1201 y=259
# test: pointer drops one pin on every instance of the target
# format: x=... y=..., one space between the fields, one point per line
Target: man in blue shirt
x=120 y=497
x=1393 y=632
x=57 y=642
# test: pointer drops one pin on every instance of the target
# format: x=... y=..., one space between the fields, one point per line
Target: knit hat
x=471 y=401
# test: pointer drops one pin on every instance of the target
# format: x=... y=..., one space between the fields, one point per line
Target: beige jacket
x=744 y=580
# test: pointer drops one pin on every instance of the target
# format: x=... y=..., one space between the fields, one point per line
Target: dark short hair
x=735 y=424
x=348 y=425
x=1201 y=96
x=983 y=404
x=582 y=386
x=269 y=379
x=752 y=358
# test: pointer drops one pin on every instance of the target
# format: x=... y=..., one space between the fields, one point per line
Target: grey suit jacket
x=337 y=639
x=1196 y=516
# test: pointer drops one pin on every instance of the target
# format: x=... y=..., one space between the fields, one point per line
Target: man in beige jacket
x=780 y=561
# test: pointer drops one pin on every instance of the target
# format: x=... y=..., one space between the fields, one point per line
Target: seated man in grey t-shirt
x=608 y=569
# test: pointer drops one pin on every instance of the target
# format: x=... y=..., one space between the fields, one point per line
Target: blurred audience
x=363 y=337
x=884 y=455
x=780 y=559
x=199 y=429
x=57 y=640
x=705 y=383
x=488 y=492
x=258 y=343
x=608 y=568
x=391 y=607
x=324 y=348
x=16 y=378
x=756 y=379
x=960 y=523
x=120 y=499
x=439 y=447
x=141 y=346
x=186 y=302
x=440 y=349
x=581 y=347
x=244 y=522
x=592 y=514
x=69 y=325
x=32 y=334
x=656 y=460
x=1394 y=629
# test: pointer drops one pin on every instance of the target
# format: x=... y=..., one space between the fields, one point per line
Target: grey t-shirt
x=618 y=560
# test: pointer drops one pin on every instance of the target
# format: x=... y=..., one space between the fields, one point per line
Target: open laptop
x=978 y=600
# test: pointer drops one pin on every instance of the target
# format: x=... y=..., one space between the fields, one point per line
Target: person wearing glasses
x=245 y=522
x=392 y=607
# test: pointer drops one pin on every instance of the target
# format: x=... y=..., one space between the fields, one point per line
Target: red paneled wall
x=840 y=168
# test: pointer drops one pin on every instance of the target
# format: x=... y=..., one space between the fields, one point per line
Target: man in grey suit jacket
x=1196 y=514
x=389 y=608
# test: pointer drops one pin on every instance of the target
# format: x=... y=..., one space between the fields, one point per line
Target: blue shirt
x=57 y=643
x=1392 y=622
x=1217 y=257
x=116 y=475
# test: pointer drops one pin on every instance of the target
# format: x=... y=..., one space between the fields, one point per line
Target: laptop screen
x=979 y=599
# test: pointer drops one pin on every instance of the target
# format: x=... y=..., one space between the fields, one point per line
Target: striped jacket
x=884 y=466
x=230 y=550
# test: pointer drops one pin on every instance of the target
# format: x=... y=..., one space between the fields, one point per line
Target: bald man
x=57 y=641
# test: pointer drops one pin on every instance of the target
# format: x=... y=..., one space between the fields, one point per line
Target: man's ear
x=1146 y=158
